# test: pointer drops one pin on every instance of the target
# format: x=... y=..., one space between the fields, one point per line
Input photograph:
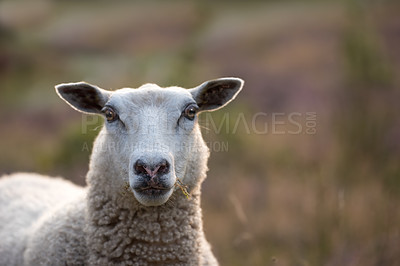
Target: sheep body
x=51 y=227
x=24 y=199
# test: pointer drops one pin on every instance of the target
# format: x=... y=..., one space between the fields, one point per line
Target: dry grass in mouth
x=178 y=183
x=126 y=189
x=183 y=187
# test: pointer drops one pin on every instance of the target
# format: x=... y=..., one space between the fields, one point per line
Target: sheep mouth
x=152 y=190
x=152 y=187
x=151 y=193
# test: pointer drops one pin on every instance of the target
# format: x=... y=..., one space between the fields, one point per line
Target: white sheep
x=135 y=210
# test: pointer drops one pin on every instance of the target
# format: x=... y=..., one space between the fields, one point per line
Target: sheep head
x=153 y=132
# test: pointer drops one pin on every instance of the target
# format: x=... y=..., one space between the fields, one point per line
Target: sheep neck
x=122 y=230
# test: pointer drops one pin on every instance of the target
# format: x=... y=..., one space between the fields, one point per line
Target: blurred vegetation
x=329 y=198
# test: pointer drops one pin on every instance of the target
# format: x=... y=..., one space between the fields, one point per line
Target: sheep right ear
x=215 y=94
x=83 y=97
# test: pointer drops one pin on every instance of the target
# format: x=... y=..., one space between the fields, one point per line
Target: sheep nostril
x=140 y=167
x=163 y=167
x=151 y=170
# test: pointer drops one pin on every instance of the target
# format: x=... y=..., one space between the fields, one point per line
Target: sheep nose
x=151 y=170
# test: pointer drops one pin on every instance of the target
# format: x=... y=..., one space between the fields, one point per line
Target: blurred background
x=305 y=163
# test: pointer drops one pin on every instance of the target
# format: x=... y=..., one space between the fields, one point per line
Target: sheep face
x=153 y=131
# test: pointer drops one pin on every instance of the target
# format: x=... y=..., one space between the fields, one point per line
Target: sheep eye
x=190 y=112
x=110 y=114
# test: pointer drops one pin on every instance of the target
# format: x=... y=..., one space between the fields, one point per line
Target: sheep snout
x=152 y=176
x=152 y=180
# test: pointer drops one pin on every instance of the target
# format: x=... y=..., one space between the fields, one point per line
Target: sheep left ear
x=215 y=94
x=83 y=96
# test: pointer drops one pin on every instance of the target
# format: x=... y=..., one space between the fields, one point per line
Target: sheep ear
x=215 y=94
x=83 y=97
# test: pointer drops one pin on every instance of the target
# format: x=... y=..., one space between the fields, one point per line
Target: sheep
x=141 y=205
